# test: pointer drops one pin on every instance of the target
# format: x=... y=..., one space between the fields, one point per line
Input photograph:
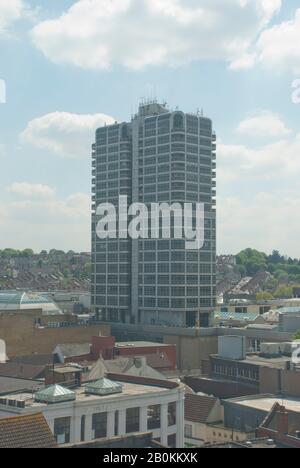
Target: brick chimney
x=283 y=420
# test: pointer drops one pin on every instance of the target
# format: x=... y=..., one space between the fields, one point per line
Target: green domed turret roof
x=103 y=387
x=55 y=394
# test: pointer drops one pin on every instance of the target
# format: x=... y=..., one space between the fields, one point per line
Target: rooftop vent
x=103 y=387
x=55 y=394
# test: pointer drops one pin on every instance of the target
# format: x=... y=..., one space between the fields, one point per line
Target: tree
x=253 y=261
x=264 y=296
x=297 y=336
x=275 y=257
x=284 y=292
x=27 y=253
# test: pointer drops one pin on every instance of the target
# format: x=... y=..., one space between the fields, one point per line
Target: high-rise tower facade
x=158 y=157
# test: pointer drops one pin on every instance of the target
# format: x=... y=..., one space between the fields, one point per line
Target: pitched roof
x=158 y=361
x=55 y=394
x=34 y=359
x=103 y=387
x=24 y=371
x=198 y=408
x=29 y=431
x=74 y=350
x=272 y=420
x=10 y=384
x=249 y=317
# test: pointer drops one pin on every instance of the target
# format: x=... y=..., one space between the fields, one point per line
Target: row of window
x=175 y=187
x=174 y=279
x=152 y=131
x=157 y=302
x=150 y=256
x=194 y=303
x=177 y=197
x=151 y=268
x=62 y=426
x=164 y=291
x=153 y=280
x=175 y=137
x=237 y=372
x=179 y=176
x=156 y=169
x=114 y=246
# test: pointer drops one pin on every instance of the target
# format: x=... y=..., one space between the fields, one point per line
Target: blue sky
x=70 y=66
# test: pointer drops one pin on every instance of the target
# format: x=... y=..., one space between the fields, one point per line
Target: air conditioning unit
x=272 y=349
x=12 y=403
x=20 y=404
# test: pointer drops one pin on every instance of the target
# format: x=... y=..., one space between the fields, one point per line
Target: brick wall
x=23 y=338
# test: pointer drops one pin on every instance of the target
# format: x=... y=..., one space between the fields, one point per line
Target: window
x=188 y=431
x=99 y=425
x=82 y=429
x=178 y=121
x=241 y=310
x=154 y=417
x=132 y=420
x=172 y=441
x=172 y=414
x=62 y=430
x=116 y=423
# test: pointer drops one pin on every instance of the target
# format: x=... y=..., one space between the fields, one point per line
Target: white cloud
x=73 y=209
x=279 y=159
x=27 y=190
x=275 y=160
x=47 y=223
x=98 y=34
x=263 y=220
x=64 y=134
x=10 y=11
x=258 y=191
x=2 y=151
x=263 y=124
x=278 y=46
x=244 y=62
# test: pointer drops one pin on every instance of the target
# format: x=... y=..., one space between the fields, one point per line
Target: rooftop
x=20 y=300
x=251 y=444
x=10 y=385
x=266 y=402
x=132 y=386
x=74 y=350
x=198 y=407
x=54 y=394
x=19 y=370
x=29 y=431
x=289 y=310
x=249 y=317
x=139 y=344
x=255 y=359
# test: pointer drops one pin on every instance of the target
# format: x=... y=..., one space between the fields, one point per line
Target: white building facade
x=139 y=408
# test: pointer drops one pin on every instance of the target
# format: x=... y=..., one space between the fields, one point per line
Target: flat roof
x=129 y=390
x=265 y=362
x=14 y=384
x=266 y=403
x=67 y=370
x=256 y=360
x=139 y=344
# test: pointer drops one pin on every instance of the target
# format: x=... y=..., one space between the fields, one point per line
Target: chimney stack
x=283 y=420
